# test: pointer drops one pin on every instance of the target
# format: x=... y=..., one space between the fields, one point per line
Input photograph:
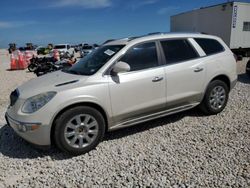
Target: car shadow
x=11 y=145
x=164 y=121
x=244 y=78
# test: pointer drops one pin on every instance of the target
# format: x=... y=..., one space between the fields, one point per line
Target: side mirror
x=121 y=67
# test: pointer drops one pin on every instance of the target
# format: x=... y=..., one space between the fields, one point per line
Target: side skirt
x=152 y=116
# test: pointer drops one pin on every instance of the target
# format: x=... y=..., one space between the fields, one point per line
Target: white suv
x=123 y=83
x=65 y=48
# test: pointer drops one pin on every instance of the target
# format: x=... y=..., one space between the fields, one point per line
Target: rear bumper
x=38 y=137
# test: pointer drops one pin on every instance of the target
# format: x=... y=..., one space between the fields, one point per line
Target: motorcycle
x=41 y=66
x=36 y=62
x=51 y=67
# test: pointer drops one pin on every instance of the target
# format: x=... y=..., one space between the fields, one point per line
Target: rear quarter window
x=210 y=46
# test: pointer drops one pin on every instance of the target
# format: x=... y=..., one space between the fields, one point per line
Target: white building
x=230 y=21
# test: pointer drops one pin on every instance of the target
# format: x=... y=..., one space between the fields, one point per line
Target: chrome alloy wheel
x=81 y=131
x=217 y=97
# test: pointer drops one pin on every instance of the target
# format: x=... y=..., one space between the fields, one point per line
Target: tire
x=248 y=53
x=247 y=68
x=239 y=57
x=216 y=95
x=32 y=67
x=248 y=73
x=71 y=134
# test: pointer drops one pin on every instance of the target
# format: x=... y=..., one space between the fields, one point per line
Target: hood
x=50 y=82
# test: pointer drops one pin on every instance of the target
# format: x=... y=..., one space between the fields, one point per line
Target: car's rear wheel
x=248 y=68
x=216 y=97
x=79 y=130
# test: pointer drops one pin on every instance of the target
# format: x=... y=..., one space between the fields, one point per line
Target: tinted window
x=210 y=46
x=59 y=47
x=142 y=56
x=178 y=50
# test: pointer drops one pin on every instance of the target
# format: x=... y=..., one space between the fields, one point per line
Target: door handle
x=198 y=69
x=157 y=79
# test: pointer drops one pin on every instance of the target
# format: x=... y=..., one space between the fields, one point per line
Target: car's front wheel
x=79 y=130
x=216 y=97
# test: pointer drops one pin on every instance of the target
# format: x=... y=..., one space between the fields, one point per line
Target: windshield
x=91 y=63
x=60 y=47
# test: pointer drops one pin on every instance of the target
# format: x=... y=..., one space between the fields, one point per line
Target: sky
x=87 y=21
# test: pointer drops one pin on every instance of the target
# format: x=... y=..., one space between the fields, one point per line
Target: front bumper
x=39 y=136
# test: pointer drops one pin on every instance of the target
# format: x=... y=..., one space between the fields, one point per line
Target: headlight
x=33 y=104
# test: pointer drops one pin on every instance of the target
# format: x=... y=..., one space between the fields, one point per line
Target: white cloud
x=83 y=3
x=167 y=10
x=15 y=24
x=136 y=5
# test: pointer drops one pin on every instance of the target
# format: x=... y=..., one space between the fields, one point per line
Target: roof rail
x=204 y=33
x=155 y=33
x=107 y=41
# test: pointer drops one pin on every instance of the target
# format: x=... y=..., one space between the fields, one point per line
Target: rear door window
x=178 y=50
x=210 y=46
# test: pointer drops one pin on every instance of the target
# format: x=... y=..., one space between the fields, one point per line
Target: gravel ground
x=183 y=150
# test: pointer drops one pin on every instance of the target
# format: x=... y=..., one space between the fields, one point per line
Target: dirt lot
x=182 y=150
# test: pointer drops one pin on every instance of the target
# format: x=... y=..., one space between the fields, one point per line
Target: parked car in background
x=86 y=49
x=30 y=46
x=64 y=48
x=95 y=46
x=77 y=48
x=50 y=46
x=42 y=50
x=12 y=47
x=22 y=49
x=83 y=44
x=120 y=84
x=248 y=68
